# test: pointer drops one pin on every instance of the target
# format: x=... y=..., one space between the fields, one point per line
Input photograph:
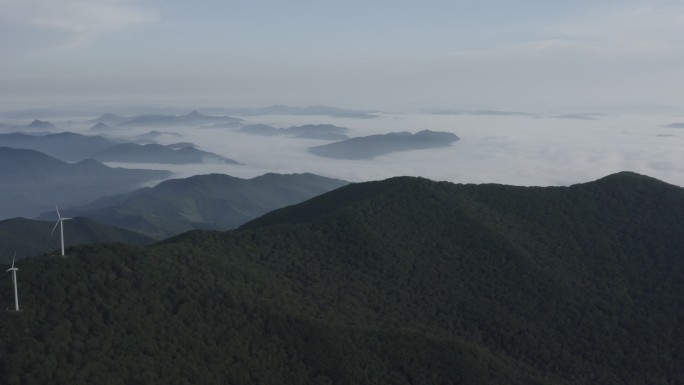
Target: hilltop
x=367 y=147
x=32 y=182
x=213 y=202
x=401 y=281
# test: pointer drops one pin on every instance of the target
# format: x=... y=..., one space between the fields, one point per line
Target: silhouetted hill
x=211 y=201
x=304 y=111
x=32 y=182
x=152 y=136
x=40 y=125
x=319 y=131
x=194 y=118
x=156 y=153
x=261 y=129
x=67 y=146
x=109 y=119
x=367 y=147
x=180 y=145
x=483 y=113
x=310 y=131
x=402 y=281
x=101 y=127
x=583 y=116
x=564 y=279
x=30 y=237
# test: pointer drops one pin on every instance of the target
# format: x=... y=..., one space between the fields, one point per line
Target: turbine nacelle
x=13 y=268
x=60 y=220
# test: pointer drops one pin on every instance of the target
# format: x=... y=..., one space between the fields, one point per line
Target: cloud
x=27 y=25
x=638 y=29
x=518 y=150
x=625 y=54
x=643 y=27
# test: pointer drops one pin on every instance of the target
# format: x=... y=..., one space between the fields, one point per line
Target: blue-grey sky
x=534 y=55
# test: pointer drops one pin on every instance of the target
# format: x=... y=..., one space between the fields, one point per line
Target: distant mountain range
x=35 y=126
x=76 y=147
x=675 y=125
x=213 y=201
x=368 y=147
x=101 y=127
x=302 y=111
x=180 y=145
x=115 y=112
x=309 y=131
x=483 y=113
x=583 y=116
x=152 y=136
x=196 y=118
x=32 y=182
x=29 y=237
x=67 y=146
x=156 y=153
x=109 y=119
x=193 y=119
x=39 y=125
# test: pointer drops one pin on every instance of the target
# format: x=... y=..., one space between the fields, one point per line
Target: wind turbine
x=60 y=222
x=14 y=280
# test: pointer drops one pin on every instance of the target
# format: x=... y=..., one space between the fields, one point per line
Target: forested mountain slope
x=403 y=281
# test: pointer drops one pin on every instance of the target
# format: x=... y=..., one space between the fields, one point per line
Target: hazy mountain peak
x=100 y=126
x=40 y=125
x=627 y=179
x=109 y=115
x=33 y=181
x=208 y=201
x=195 y=114
x=368 y=147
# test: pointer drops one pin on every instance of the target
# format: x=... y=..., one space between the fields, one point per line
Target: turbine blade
x=54 y=228
x=66 y=219
x=13 y=258
x=57 y=208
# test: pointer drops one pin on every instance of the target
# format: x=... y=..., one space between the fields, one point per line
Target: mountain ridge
x=27 y=237
x=33 y=181
x=401 y=281
x=210 y=201
x=368 y=147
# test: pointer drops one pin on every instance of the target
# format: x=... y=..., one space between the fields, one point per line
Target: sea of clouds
x=524 y=150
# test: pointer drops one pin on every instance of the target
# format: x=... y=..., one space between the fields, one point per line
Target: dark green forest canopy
x=402 y=281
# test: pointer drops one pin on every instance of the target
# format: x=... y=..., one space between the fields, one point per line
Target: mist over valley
x=511 y=148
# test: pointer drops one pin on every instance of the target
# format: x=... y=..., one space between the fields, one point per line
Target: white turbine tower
x=14 y=280
x=60 y=222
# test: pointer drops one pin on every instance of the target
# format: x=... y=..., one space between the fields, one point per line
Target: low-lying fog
x=509 y=149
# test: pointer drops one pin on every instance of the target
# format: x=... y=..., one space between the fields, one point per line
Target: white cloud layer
x=517 y=150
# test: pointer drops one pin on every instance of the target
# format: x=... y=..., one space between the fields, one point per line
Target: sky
x=523 y=55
